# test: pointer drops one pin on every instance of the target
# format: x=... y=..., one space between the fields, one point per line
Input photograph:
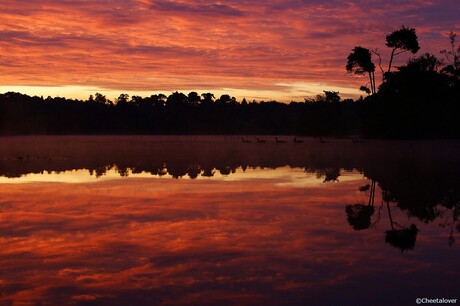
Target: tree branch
x=400 y=52
x=379 y=60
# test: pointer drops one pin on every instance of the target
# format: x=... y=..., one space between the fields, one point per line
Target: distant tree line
x=175 y=114
x=417 y=100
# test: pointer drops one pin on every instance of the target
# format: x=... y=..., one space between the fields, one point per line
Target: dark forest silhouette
x=417 y=100
x=176 y=114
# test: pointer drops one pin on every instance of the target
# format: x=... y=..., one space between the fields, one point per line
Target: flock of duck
x=277 y=140
x=354 y=139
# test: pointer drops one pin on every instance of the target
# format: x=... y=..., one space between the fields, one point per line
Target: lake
x=180 y=220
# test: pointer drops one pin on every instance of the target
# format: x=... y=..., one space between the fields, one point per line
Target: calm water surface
x=214 y=221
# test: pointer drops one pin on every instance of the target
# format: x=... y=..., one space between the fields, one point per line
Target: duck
x=296 y=140
x=279 y=140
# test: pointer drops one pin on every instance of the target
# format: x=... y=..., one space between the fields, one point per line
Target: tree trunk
x=371 y=83
x=391 y=59
x=389 y=215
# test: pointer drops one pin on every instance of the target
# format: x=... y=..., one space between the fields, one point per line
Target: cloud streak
x=205 y=9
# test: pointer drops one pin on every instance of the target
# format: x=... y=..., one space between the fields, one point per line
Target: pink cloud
x=123 y=45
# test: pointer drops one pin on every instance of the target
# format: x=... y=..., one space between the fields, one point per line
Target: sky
x=262 y=50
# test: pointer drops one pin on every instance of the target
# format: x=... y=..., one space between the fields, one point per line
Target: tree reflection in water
x=400 y=237
x=403 y=238
x=359 y=215
x=422 y=179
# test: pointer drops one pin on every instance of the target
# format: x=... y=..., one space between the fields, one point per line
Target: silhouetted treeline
x=419 y=100
x=176 y=114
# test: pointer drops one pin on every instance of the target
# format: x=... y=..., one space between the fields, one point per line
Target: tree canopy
x=360 y=62
x=402 y=40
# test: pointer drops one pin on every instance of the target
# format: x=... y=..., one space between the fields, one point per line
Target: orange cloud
x=183 y=45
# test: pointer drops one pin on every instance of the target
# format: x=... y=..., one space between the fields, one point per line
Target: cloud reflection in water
x=270 y=235
x=163 y=241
